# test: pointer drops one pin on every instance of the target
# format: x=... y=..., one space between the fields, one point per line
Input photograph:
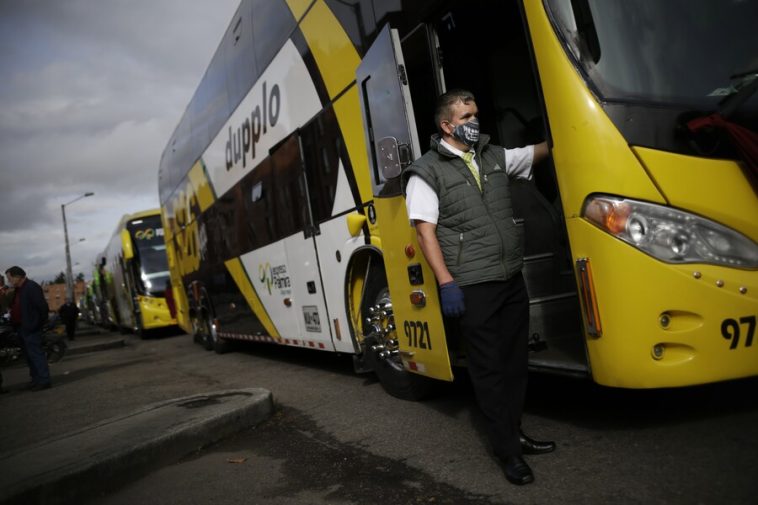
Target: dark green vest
x=479 y=239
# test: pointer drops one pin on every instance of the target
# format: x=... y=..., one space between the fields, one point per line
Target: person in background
x=458 y=198
x=69 y=313
x=29 y=312
x=6 y=298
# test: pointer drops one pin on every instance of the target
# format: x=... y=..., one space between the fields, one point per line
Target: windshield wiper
x=718 y=125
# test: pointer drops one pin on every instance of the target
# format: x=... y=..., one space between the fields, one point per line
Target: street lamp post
x=69 y=275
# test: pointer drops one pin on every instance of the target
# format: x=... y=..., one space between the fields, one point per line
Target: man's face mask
x=468 y=133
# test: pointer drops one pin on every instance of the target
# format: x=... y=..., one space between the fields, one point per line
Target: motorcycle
x=53 y=341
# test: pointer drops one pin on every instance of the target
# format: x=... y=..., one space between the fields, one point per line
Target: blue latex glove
x=452 y=299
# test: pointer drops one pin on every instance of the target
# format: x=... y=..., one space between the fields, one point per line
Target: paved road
x=337 y=438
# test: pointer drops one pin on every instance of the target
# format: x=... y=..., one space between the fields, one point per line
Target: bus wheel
x=380 y=348
x=197 y=330
x=203 y=329
x=220 y=345
x=208 y=336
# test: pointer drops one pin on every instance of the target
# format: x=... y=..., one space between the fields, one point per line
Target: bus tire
x=197 y=335
x=394 y=378
x=204 y=329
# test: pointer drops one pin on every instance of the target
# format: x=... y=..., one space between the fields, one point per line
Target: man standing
x=458 y=198
x=28 y=314
x=69 y=313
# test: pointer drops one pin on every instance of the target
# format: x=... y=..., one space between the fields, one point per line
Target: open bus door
x=392 y=142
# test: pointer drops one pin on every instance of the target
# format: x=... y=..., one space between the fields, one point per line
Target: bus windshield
x=150 y=250
x=692 y=53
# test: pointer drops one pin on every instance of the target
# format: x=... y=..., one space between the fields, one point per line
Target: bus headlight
x=670 y=235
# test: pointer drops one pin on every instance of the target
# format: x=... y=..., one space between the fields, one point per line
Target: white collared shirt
x=421 y=201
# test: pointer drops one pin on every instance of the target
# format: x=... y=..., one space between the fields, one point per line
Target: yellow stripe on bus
x=332 y=49
x=201 y=186
x=242 y=280
x=348 y=112
x=337 y=61
x=298 y=7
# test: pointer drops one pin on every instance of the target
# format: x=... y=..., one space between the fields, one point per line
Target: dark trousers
x=70 y=329
x=496 y=328
x=31 y=345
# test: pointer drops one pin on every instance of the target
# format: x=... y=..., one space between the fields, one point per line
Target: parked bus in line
x=285 y=220
x=131 y=276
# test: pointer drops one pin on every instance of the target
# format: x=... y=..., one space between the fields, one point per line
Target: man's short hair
x=15 y=272
x=446 y=100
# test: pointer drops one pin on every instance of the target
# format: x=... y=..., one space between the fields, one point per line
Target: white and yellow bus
x=131 y=276
x=285 y=221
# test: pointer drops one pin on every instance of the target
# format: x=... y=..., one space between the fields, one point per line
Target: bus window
x=272 y=25
x=241 y=66
x=257 y=196
x=291 y=206
x=424 y=79
x=320 y=141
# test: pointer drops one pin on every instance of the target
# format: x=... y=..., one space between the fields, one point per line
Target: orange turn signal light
x=410 y=251
x=588 y=297
x=608 y=214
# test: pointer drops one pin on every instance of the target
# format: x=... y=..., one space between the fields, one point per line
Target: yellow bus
x=285 y=220
x=131 y=276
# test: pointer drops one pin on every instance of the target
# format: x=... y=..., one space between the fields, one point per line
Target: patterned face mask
x=468 y=133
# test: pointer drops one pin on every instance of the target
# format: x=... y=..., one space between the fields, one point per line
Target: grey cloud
x=91 y=93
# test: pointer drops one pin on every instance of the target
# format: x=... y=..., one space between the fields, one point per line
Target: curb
x=101 y=346
x=99 y=458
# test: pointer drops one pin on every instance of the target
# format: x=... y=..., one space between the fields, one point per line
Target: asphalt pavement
x=335 y=437
x=55 y=448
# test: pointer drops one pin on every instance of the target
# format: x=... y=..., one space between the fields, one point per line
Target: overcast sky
x=91 y=91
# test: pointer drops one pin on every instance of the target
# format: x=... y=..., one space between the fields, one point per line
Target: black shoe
x=40 y=387
x=517 y=471
x=529 y=446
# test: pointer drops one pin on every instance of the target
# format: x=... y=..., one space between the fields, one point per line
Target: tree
x=79 y=277
x=60 y=278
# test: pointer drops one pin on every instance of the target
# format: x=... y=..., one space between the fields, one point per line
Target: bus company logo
x=148 y=233
x=265 y=115
x=144 y=234
x=274 y=276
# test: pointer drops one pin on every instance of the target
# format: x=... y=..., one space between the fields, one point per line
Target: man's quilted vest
x=479 y=238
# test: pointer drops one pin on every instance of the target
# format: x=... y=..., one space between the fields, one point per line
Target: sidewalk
x=88 y=434
x=90 y=338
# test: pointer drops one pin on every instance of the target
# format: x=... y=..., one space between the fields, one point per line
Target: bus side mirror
x=355 y=223
x=127 y=245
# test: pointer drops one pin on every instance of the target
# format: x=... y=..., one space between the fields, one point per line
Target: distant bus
x=285 y=220
x=131 y=276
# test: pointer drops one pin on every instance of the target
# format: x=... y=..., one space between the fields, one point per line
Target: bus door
x=502 y=78
x=392 y=143
x=298 y=277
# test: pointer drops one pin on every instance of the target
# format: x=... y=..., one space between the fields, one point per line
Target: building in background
x=55 y=294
